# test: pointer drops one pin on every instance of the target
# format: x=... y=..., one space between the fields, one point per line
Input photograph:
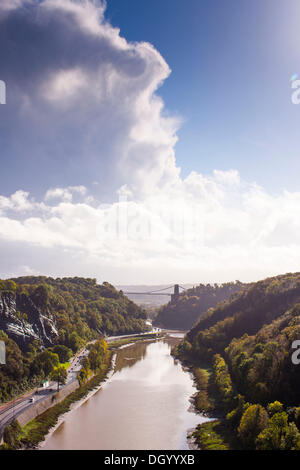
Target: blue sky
x=149 y=142
x=231 y=64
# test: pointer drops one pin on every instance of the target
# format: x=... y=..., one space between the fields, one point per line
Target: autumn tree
x=253 y=422
x=64 y=353
x=59 y=375
x=279 y=434
x=44 y=363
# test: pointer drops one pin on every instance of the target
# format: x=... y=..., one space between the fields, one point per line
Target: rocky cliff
x=23 y=321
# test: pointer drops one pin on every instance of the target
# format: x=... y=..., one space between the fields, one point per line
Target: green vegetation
x=10 y=435
x=35 y=431
x=7 y=286
x=74 y=310
x=203 y=399
x=92 y=363
x=212 y=435
x=82 y=308
x=279 y=434
x=253 y=422
x=247 y=341
x=122 y=342
x=65 y=365
x=191 y=304
x=59 y=375
x=223 y=381
x=19 y=374
x=64 y=353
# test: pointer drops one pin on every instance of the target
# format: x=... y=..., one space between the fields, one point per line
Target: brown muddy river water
x=144 y=405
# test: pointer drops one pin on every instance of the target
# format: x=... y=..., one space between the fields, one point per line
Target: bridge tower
x=175 y=296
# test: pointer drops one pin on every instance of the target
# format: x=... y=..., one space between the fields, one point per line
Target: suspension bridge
x=174 y=295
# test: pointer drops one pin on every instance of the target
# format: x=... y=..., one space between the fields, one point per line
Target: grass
x=65 y=365
x=213 y=435
x=207 y=399
x=134 y=339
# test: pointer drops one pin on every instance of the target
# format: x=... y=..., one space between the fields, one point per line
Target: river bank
x=146 y=405
x=114 y=347
x=32 y=433
x=147 y=390
x=215 y=433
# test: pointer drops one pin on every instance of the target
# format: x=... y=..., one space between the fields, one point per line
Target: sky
x=231 y=65
x=149 y=142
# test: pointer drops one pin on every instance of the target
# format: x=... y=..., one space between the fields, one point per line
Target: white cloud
x=8 y=5
x=65 y=194
x=17 y=202
x=202 y=228
x=63 y=86
x=93 y=98
x=231 y=177
x=89 y=14
x=92 y=95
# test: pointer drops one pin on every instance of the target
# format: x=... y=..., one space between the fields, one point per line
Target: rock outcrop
x=23 y=321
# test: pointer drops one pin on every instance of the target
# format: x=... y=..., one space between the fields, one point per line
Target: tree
x=279 y=435
x=69 y=312
x=59 y=375
x=253 y=422
x=33 y=348
x=75 y=341
x=44 y=363
x=97 y=354
x=185 y=347
x=41 y=294
x=101 y=346
x=11 y=432
x=63 y=352
x=223 y=381
x=84 y=375
x=95 y=359
x=234 y=417
x=297 y=416
x=275 y=407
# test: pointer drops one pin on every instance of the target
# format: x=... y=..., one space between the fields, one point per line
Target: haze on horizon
x=166 y=151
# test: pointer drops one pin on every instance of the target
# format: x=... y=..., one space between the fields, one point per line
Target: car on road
x=31 y=400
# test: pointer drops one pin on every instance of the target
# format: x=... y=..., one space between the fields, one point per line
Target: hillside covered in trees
x=248 y=341
x=45 y=320
x=186 y=310
x=81 y=305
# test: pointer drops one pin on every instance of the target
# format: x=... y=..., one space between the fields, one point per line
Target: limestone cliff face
x=23 y=321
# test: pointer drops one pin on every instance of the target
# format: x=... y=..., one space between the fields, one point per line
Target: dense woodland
x=83 y=306
x=186 y=310
x=248 y=340
x=81 y=311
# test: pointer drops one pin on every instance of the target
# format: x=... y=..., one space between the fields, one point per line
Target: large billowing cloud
x=82 y=98
x=82 y=108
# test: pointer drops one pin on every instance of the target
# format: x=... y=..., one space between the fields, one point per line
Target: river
x=145 y=404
